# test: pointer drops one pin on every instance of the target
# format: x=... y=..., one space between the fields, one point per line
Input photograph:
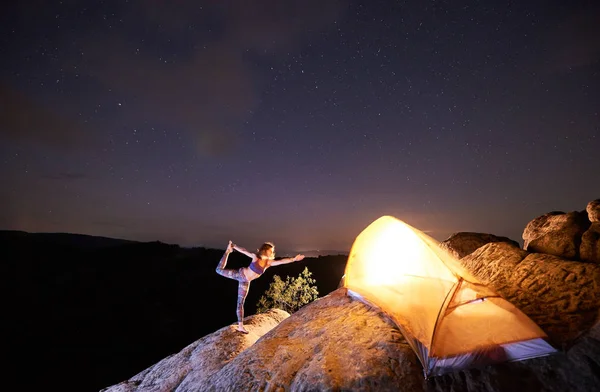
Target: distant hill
x=81 y=241
x=90 y=242
x=313 y=253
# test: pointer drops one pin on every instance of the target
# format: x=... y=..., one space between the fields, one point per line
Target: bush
x=290 y=295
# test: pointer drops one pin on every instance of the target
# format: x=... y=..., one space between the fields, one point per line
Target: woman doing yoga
x=261 y=260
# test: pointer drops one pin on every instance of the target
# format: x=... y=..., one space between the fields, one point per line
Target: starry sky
x=299 y=122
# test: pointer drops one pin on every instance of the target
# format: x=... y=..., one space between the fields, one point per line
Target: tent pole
x=443 y=308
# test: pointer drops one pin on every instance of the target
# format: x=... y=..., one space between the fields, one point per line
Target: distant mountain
x=80 y=241
x=311 y=253
x=90 y=242
x=324 y=252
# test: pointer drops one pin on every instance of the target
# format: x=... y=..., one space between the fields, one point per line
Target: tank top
x=254 y=266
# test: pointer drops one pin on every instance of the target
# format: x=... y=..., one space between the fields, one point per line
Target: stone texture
x=561 y=296
x=556 y=233
x=590 y=244
x=593 y=210
x=202 y=358
x=464 y=243
x=335 y=343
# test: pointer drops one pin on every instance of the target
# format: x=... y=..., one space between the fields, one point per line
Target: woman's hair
x=265 y=247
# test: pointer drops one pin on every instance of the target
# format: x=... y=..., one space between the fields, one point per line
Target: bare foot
x=242 y=329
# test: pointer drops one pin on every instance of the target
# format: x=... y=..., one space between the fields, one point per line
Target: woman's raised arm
x=244 y=251
x=288 y=260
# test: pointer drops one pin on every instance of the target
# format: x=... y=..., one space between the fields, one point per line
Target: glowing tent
x=450 y=319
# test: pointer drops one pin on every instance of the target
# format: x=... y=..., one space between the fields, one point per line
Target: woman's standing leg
x=243 y=288
x=243 y=285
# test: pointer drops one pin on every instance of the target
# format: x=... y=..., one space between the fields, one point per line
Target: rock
x=334 y=343
x=590 y=244
x=201 y=358
x=338 y=343
x=492 y=262
x=464 y=243
x=593 y=210
x=556 y=233
x=561 y=296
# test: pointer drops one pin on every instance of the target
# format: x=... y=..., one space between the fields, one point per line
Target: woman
x=261 y=260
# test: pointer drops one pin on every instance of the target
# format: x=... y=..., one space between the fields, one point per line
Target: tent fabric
x=449 y=318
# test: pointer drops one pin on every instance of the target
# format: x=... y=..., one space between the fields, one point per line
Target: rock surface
x=338 y=343
x=556 y=233
x=561 y=296
x=590 y=244
x=335 y=343
x=202 y=358
x=464 y=243
x=593 y=210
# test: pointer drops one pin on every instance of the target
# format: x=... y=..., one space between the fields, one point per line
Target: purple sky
x=298 y=122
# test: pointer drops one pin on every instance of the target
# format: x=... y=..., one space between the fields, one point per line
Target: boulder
x=589 y=249
x=464 y=243
x=561 y=296
x=339 y=343
x=334 y=343
x=556 y=233
x=202 y=358
x=593 y=210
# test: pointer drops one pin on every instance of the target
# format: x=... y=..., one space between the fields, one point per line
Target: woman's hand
x=298 y=258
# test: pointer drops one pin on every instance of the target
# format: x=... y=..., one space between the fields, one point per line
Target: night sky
x=298 y=122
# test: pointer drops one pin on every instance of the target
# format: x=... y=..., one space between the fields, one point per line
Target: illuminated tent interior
x=450 y=319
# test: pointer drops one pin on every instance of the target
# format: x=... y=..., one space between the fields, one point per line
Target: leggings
x=243 y=284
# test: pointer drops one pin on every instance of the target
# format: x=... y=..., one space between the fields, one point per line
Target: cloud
x=185 y=64
x=209 y=95
x=24 y=120
x=211 y=89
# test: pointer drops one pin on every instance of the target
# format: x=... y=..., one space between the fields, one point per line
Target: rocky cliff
x=338 y=343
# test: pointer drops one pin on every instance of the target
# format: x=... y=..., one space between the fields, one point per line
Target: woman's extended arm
x=288 y=260
x=244 y=251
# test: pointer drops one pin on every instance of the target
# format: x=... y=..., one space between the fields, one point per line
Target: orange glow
x=442 y=309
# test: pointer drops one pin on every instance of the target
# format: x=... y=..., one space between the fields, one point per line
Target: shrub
x=290 y=295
